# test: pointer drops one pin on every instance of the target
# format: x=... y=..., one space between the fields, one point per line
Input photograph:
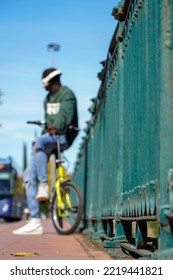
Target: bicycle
x=66 y=203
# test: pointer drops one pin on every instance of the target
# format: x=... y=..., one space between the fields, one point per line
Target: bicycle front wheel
x=67 y=218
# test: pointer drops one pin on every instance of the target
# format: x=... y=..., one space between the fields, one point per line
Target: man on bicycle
x=60 y=107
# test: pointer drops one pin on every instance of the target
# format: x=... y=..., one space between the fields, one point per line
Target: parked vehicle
x=12 y=196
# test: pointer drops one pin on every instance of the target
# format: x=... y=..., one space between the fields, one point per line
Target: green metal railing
x=125 y=162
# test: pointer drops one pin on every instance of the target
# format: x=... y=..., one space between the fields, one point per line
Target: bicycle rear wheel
x=66 y=220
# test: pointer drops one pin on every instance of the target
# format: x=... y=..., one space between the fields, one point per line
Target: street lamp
x=54 y=47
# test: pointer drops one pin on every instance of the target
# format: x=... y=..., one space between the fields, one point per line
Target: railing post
x=118 y=226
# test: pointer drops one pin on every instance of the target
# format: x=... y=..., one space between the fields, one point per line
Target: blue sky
x=83 y=29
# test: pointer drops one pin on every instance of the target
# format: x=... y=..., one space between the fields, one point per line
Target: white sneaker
x=43 y=192
x=34 y=226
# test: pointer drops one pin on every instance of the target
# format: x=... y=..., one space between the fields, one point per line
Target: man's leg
x=42 y=148
x=31 y=187
x=34 y=225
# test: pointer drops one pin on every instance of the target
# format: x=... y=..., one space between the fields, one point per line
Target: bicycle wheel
x=66 y=220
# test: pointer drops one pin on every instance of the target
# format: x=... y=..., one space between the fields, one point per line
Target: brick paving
x=48 y=246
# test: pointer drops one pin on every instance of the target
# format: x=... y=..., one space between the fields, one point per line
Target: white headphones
x=45 y=81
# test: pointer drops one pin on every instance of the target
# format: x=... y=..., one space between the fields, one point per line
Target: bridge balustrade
x=125 y=162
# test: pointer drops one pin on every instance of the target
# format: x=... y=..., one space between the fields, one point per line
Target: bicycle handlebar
x=41 y=123
x=36 y=122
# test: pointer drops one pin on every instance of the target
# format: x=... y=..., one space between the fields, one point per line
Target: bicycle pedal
x=61 y=160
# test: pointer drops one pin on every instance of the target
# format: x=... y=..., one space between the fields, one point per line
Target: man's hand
x=51 y=130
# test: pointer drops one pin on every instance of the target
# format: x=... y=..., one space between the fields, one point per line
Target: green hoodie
x=61 y=111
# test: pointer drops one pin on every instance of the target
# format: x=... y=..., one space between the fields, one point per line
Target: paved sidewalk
x=49 y=246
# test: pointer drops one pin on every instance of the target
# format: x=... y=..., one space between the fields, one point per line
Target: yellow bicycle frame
x=60 y=202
